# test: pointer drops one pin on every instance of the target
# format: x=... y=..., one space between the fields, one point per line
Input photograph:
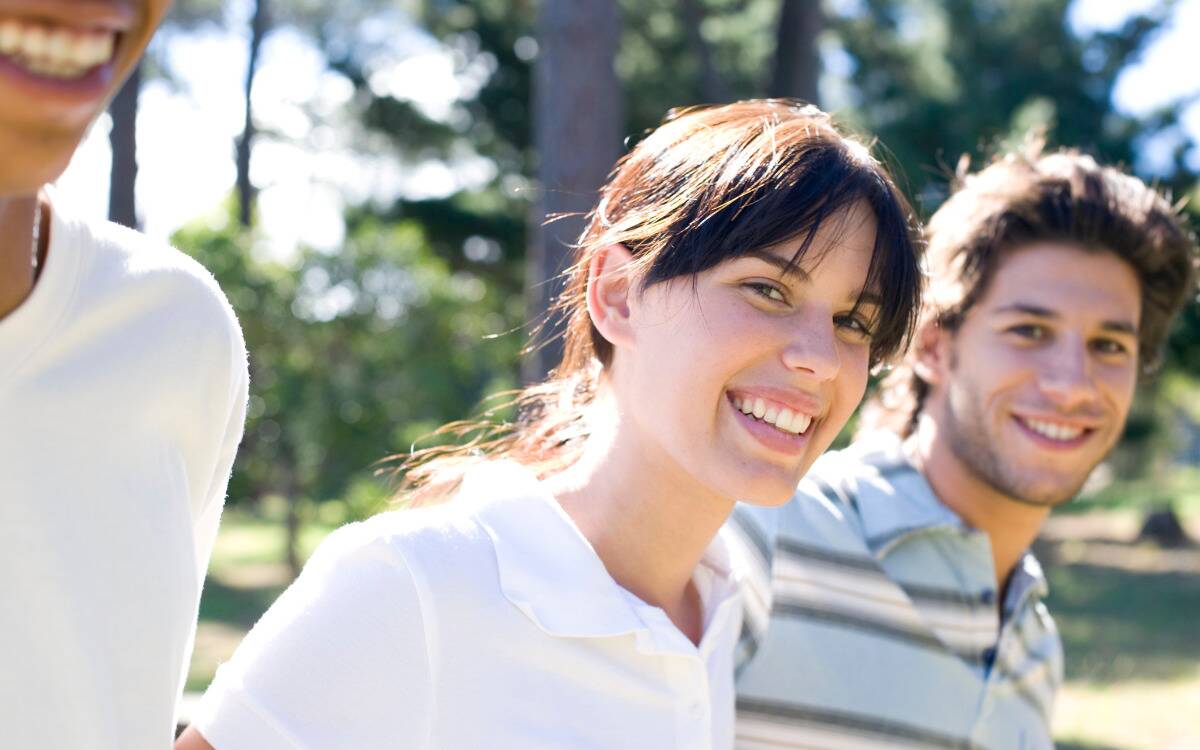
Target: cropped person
x=122 y=394
x=744 y=267
x=895 y=601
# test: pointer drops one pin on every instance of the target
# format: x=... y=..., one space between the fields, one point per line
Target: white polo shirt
x=485 y=622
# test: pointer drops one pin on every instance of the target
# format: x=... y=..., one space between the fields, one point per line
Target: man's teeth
x=1052 y=430
x=59 y=52
x=782 y=418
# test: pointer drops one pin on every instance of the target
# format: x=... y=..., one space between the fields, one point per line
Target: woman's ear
x=932 y=350
x=610 y=282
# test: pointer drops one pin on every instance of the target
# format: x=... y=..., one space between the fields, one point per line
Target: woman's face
x=61 y=61
x=742 y=380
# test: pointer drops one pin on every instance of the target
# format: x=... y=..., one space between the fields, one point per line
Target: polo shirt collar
x=1027 y=580
x=904 y=505
x=910 y=508
x=551 y=572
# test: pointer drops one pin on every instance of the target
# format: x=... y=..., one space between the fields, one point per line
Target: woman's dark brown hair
x=708 y=185
x=1022 y=199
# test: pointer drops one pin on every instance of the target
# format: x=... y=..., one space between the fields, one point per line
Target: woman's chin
x=768 y=492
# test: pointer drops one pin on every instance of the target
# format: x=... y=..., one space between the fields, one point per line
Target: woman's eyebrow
x=786 y=266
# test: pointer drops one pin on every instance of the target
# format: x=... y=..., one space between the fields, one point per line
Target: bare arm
x=191 y=740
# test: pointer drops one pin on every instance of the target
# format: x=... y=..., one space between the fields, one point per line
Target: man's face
x=1036 y=383
x=61 y=61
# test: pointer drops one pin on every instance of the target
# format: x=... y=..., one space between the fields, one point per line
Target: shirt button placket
x=700 y=724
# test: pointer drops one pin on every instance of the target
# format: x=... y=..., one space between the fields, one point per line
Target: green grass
x=1179 y=488
x=1120 y=626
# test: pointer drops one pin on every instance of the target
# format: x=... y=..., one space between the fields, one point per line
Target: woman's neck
x=17 y=268
x=649 y=521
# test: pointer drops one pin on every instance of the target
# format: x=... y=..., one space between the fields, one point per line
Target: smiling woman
x=743 y=268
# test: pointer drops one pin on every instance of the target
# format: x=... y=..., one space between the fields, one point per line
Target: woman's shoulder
x=406 y=535
x=418 y=542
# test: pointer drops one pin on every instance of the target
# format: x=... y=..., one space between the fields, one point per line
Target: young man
x=122 y=395
x=894 y=603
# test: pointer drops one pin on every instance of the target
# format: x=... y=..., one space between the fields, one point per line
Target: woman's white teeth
x=1052 y=430
x=781 y=418
x=61 y=53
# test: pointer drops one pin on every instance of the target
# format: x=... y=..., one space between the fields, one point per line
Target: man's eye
x=769 y=291
x=1030 y=331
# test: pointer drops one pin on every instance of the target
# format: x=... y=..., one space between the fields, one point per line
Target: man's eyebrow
x=1021 y=308
x=1037 y=311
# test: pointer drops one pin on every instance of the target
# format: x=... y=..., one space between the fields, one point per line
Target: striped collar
x=904 y=506
x=550 y=571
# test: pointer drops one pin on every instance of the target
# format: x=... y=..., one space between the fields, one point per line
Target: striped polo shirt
x=871 y=619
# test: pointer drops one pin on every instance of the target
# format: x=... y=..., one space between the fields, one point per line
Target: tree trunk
x=259 y=26
x=711 y=85
x=1162 y=526
x=797 y=63
x=122 y=205
x=578 y=110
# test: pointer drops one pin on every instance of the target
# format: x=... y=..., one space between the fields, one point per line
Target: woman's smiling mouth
x=772 y=424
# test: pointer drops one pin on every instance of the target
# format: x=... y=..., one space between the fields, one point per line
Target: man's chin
x=1047 y=493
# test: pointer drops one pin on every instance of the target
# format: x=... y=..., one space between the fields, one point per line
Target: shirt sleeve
x=341 y=660
x=208 y=516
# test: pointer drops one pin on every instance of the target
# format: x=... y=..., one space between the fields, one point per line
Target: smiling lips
x=780 y=417
x=61 y=52
x=1054 y=431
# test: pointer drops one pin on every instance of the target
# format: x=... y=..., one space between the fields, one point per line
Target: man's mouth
x=1058 y=432
x=55 y=51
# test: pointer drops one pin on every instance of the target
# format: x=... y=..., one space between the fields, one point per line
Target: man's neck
x=1011 y=525
x=17 y=270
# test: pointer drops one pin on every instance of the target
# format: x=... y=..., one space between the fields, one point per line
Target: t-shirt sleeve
x=208 y=514
x=341 y=660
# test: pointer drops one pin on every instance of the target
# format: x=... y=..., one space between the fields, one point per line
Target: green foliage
x=937 y=80
x=354 y=355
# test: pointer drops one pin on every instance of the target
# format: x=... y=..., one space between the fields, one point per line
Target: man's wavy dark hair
x=1021 y=199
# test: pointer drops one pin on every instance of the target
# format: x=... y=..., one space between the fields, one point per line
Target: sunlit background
x=395 y=169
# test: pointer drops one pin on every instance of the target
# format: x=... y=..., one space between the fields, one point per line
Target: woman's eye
x=1109 y=346
x=855 y=325
x=769 y=291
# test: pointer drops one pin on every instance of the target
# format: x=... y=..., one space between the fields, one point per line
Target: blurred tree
x=260 y=24
x=937 y=80
x=122 y=204
x=797 y=65
x=578 y=117
x=352 y=354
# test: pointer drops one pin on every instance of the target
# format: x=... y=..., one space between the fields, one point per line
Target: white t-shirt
x=122 y=396
x=485 y=622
